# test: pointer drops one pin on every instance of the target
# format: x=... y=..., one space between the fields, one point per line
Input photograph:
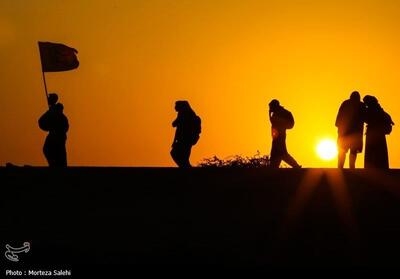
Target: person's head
x=181 y=106
x=355 y=96
x=274 y=104
x=370 y=101
x=53 y=98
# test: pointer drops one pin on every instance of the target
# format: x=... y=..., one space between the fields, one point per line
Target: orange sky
x=228 y=58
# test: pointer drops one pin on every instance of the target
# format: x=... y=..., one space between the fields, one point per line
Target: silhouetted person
x=281 y=119
x=56 y=123
x=379 y=124
x=350 y=124
x=188 y=129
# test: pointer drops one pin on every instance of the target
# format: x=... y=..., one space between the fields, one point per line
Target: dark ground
x=228 y=217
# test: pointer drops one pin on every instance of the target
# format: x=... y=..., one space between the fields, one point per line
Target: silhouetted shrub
x=236 y=161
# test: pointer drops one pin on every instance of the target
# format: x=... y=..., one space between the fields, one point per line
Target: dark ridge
x=223 y=216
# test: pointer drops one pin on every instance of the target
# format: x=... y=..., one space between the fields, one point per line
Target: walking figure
x=350 y=124
x=188 y=129
x=379 y=124
x=281 y=120
x=56 y=123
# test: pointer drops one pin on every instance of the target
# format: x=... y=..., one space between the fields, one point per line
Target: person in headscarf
x=379 y=124
x=281 y=119
x=188 y=129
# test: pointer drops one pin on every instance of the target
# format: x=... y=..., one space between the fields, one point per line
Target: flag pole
x=44 y=77
x=45 y=88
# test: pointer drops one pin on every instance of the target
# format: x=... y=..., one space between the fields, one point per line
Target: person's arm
x=365 y=115
x=339 y=117
x=175 y=123
x=270 y=114
x=66 y=124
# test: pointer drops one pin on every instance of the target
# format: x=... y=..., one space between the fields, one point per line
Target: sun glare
x=327 y=150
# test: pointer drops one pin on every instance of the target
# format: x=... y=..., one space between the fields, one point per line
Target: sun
x=327 y=149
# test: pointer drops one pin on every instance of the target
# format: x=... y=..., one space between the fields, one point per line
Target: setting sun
x=326 y=149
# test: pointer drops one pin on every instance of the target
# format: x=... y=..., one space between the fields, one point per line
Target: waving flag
x=57 y=57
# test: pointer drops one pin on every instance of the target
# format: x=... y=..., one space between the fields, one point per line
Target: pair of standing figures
x=350 y=123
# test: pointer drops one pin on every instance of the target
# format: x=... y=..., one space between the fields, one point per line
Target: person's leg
x=276 y=153
x=176 y=156
x=290 y=161
x=59 y=152
x=275 y=162
x=286 y=157
x=342 y=150
x=186 y=155
x=352 y=159
x=63 y=155
x=52 y=157
x=341 y=158
x=47 y=152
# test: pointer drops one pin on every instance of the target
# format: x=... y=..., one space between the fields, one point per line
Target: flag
x=57 y=57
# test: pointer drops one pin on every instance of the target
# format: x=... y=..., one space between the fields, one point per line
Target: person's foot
x=297 y=167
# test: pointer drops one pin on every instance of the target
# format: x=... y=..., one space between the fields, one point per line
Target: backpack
x=196 y=130
x=288 y=119
x=387 y=124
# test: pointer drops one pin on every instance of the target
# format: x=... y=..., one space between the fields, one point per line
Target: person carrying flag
x=56 y=123
x=55 y=57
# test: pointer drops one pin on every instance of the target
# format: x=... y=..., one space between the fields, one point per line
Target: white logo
x=12 y=253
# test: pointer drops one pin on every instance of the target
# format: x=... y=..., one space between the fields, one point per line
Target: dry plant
x=237 y=161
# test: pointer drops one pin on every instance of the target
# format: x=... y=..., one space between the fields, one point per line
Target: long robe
x=376 y=151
